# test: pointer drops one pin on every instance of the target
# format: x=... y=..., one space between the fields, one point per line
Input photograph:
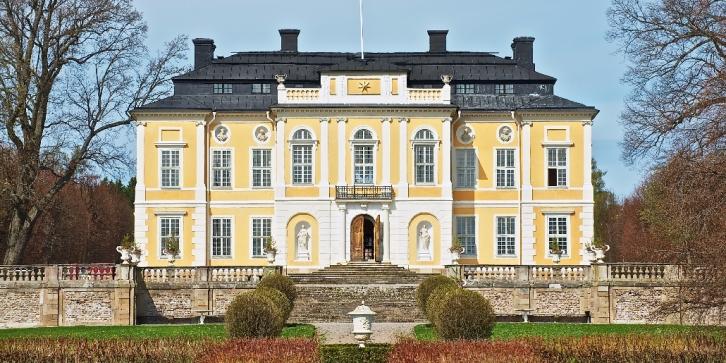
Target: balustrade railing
x=94 y=272
x=303 y=94
x=22 y=273
x=479 y=273
x=364 y=192
x=640 y=272
x=424 y=95
x=559 y=273
x=204 y=274
x=237 y=274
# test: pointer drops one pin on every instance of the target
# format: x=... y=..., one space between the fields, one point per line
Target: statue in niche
x=222 y=134
x=261 y=134
x=466 y=134
x=424 y=242
x=505 y=133
x=303 y=242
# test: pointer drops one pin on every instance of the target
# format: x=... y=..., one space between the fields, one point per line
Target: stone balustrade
x=187 y=275
x=424 y=95
x=22 y=273
x=303 y=95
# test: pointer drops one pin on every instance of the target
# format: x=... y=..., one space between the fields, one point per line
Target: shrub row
x=603 y=348
x=454 y=312
x=261 y=313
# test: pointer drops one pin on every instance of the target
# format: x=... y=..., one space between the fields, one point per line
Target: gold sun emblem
x=364 y=86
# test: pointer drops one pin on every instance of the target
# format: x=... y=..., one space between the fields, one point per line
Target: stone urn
x=362 y=323
x=135 y=256
x=271 y=256
x=455 y=256
x=125 y=254
x=598 y=253
x=556 y=256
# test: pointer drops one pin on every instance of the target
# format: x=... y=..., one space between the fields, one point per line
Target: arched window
x=302 y=134
x=363 y=134
x=302 y=157
x=424 y=134
x=424 y=142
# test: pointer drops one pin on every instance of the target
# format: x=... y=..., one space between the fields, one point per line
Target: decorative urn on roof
x=362 y=323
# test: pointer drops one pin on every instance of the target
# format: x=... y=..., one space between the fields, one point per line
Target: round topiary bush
x=251 y=315
x=465 y=314
x=280 y=283
x=278 y=298
x=436 y=300
x=427 y=286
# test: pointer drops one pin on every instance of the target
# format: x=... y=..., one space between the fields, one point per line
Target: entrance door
x=356 y=238
x=377 y=233
x=365 y=239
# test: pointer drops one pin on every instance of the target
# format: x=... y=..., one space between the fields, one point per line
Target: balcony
x=363 y=192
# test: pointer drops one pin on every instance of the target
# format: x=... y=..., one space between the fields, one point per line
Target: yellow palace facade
x=388 y=159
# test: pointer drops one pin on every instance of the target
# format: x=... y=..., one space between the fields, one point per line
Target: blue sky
x=570 y=42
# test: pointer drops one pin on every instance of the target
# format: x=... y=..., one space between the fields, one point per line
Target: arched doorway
x=365 y=238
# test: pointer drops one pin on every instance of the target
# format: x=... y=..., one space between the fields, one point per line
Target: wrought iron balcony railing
x=363 y=192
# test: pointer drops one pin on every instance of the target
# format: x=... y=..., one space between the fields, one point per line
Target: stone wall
x=20 y=307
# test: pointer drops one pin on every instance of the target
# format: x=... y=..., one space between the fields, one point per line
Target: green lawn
x=504 y=331
x=191 y=331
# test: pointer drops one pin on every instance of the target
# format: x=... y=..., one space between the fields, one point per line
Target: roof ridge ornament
x=280 y=78
x=446 y=78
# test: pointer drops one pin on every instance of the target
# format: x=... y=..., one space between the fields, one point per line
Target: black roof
x=533 y=90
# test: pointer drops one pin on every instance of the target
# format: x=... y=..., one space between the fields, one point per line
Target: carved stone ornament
x=280 y=78
x=424 y=241
x=505 y=133
x=446 y=78
x=303 y=237
x=221 y=133
x=466 y=134
x=262 y=134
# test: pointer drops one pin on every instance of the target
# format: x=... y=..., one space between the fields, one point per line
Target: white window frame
x=476 y=229
x=567 y=235
x=514 y=168
x=263 y=87
x=252 y=236
x=180 y=218
x=373 y=143
x=312 y=142
x=465 y=87
x=225 y=87
x=252 y=168
x=566 y=167
x=179 y=169
x=212 y=237
x=514 y=235
x=212 y=168
x=456 y=168
x=434 y=144
x=505 y=87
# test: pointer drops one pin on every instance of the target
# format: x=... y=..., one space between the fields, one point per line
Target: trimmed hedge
x=427 y=286
x=346 y=353
x=436 y=300
x=281 y=283
x=465 y=314
x=252 y=315
x=278 y=298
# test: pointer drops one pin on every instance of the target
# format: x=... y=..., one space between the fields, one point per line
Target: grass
x=507 y=331
x=188 y=331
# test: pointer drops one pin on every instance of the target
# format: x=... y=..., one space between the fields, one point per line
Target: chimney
x=288 y=40
x=522 y=52
x=437 y=41
x=203 y=52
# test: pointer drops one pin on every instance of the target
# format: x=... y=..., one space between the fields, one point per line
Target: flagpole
x=360 y=3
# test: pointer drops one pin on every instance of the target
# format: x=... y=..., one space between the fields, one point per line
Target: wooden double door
x=366 y=239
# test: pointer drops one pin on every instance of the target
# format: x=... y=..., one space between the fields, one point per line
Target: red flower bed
x=263 y=351
x=411 y=351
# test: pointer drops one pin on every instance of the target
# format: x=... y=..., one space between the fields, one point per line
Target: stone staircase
x=328 y=295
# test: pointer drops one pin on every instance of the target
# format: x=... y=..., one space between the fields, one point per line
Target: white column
x=386 y=151
x=527 y=209
x=446 y=166
x=200 y=188
x=386 y=234
x=341 y=150
x=280 y=158
x=343 y=234
x=199 y=216
x=324 y=158
x=587 y=172
x=403 y=159
x=140 y=191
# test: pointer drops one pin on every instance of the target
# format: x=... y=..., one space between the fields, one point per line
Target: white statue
x=222 y=134
x=261 y=134
x=505 y=133
x=424 y=243
x=303 y=242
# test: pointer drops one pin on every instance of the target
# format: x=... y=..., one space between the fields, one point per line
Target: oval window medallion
x=505 y=133
x=221 y=134
x=262 y=134
x=465 y=134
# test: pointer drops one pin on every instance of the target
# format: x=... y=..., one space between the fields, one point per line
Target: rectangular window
x=261 y=167
x=302 y=164
x=556 y=167
x=504 y=89
x=424 y=164
x=221 y=168
x=169 y=168
x=222 y=88
x=168 y=228
x=557 y=233
x=465 y=168
x=363 y=164
x=505 y=236
x=221 y=237
x=466 y=232
x=505 y=168
x=261 y=230
x=260 y=88
x=464 y=88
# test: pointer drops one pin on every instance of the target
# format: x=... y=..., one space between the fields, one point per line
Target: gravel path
x=340 y=333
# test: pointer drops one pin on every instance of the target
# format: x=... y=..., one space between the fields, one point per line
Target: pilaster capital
x=587 y=123
x=200 y=123
x=280 y=119
x=342 y=207
x=385 y=207
x=138 y=123
x=526 y=123
x=386 y=119
x=403 y=120
x=446 y=119
x=324 y=120
x=342 y=119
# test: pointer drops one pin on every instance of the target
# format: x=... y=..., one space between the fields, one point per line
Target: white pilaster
x=199 y=216
x=343 y=234
x=280 y=158
x=386 y=151
x=403 y=159
x=200 y=188
x=324 y=158
x=527 y=210
x=140 y=218
x=341 y=150
x=526 y=161
x=446 y=148
x=386 y=233
x=587 y=192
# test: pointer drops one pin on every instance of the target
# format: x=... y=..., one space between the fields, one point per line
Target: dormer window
x=504 y=89
x=260 y=88
x=464 y=88
x=222 y=88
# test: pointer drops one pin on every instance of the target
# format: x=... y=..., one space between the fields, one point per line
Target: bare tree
x=70 y=72
x=677 y=53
